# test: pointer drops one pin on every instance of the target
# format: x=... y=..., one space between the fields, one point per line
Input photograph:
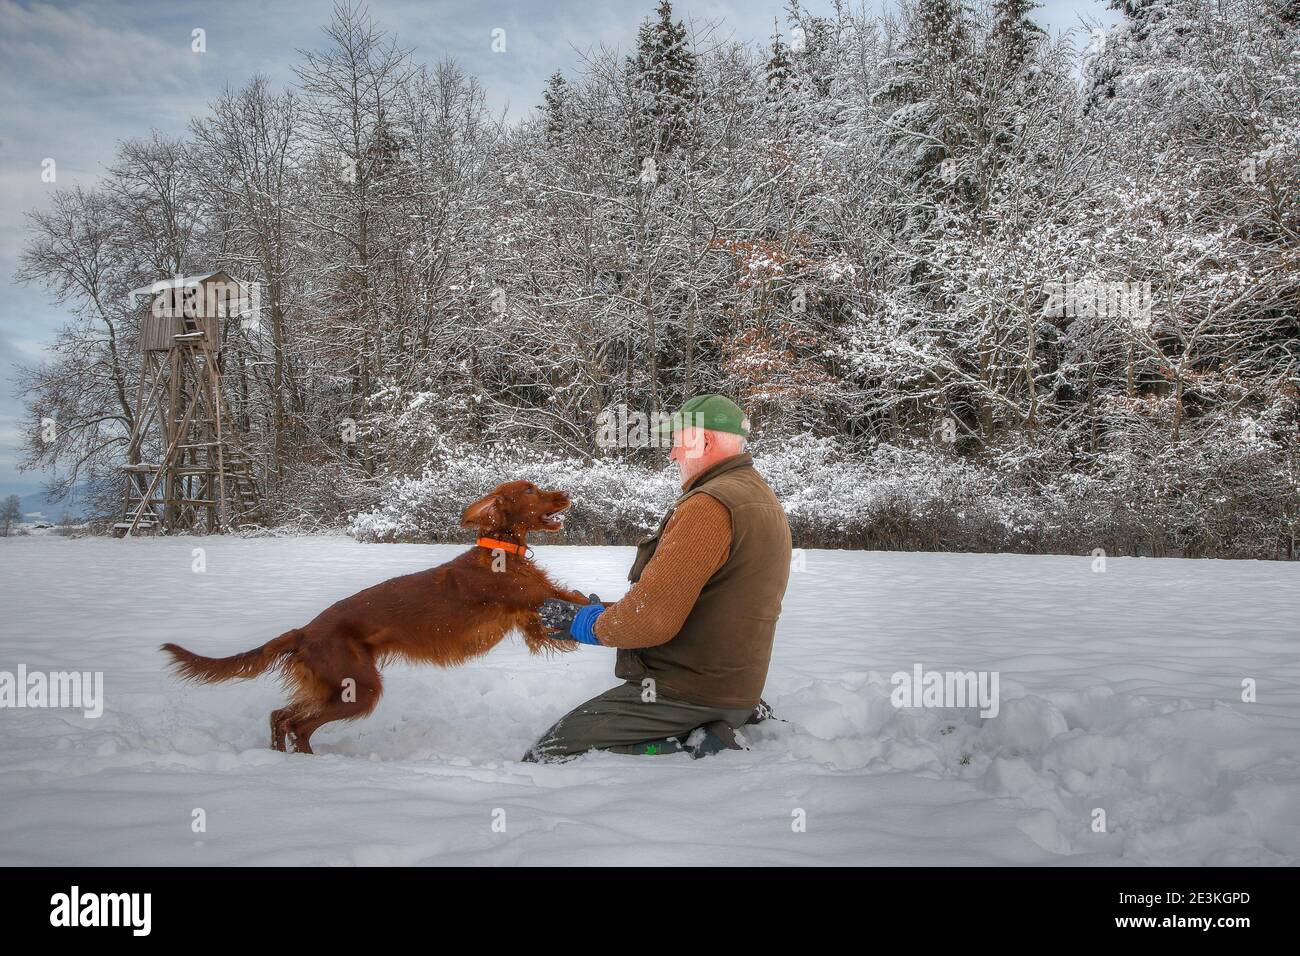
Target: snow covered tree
x=1015 y=32
x=663 y=78
x=11 y=512
x=554 y=97
x=779 y=70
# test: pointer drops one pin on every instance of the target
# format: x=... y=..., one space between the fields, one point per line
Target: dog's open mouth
x=554 y=520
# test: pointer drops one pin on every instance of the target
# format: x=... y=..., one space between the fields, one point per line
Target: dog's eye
x=531 y=490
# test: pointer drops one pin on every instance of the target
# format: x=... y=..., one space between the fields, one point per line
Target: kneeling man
x=694 y=633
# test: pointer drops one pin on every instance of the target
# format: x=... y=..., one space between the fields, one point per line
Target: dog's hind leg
x=279 y=727
x=356 y=695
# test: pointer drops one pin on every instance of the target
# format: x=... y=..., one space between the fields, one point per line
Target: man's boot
x=761 y=713
x=655 y=748
x=712 y=738
x=704 y=741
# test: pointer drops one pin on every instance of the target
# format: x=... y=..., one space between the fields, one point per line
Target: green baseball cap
x=715 y=412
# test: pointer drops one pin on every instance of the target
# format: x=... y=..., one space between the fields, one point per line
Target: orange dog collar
x=495 y=545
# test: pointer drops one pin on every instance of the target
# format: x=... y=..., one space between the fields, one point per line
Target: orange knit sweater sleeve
x=695 y=544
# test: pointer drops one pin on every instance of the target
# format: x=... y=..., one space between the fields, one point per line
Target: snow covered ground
x=1119 y=690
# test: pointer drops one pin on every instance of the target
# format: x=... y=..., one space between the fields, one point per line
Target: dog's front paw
x=542 y=644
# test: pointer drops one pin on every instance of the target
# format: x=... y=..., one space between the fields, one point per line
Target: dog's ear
x=484 y=513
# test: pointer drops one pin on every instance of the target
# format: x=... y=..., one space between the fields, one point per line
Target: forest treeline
x=977 y=287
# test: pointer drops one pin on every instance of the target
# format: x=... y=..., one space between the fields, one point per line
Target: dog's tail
x=211 y=670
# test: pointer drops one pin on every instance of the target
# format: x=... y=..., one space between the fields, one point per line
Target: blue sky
x=78 y=77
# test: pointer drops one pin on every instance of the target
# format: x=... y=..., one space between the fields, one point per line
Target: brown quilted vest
x=720 y=656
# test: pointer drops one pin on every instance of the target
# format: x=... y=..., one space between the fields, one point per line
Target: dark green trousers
x=620 y=721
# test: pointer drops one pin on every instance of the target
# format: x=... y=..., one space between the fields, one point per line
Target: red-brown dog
x=444 y=616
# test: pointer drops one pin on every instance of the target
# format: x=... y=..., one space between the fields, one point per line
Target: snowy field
x=1119 y=690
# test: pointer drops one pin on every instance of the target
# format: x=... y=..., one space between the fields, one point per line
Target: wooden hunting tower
x=199 y=479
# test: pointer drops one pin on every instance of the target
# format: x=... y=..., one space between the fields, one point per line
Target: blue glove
x=570 y=621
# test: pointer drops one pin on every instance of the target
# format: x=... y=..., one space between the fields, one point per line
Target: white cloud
x=53 y=52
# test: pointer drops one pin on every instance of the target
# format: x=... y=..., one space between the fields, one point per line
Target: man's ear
x=484 y=513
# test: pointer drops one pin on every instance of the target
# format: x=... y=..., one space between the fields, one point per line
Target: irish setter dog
x=444 y=616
